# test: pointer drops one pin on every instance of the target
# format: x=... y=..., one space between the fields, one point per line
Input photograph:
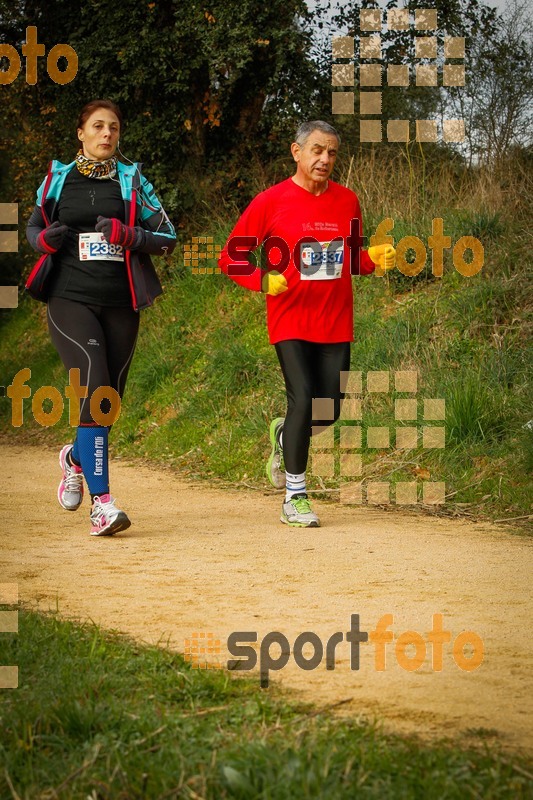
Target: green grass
x=98 y=716
x=474 y=414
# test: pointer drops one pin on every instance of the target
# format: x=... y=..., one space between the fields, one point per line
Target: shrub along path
x=216 y=561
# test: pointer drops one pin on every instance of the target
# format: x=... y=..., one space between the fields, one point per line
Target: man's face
x=316 y=158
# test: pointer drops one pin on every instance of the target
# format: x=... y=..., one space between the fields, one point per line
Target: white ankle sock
x=295 y=485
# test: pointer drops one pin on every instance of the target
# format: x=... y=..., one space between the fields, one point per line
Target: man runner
x=305 y=224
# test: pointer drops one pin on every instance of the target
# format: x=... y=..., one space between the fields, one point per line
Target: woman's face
x=100 y=134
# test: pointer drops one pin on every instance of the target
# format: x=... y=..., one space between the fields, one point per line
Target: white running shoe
x=106 y=518
x=275 y=474
x=70 y=491
x=297 y=512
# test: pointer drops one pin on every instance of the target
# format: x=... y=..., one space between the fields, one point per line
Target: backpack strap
x=47 y=183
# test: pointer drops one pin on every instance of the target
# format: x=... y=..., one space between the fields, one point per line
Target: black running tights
x=97 y=340
x=310 y=370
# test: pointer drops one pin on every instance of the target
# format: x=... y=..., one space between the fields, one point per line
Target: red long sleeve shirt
x=318 y=304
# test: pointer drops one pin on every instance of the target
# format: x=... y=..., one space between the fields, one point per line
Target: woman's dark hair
x=92 y=106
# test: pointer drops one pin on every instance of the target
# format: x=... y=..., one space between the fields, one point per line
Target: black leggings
x=97 y=340
x=310 y=370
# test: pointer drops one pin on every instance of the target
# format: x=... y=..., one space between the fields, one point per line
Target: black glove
x=50 y=239
x=115 y=232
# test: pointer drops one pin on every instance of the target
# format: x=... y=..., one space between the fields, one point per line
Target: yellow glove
x=273 y=283
x=383 y=256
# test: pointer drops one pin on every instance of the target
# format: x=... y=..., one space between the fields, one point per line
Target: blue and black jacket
x=142 y=210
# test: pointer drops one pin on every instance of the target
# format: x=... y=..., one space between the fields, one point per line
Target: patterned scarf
x=101 y=170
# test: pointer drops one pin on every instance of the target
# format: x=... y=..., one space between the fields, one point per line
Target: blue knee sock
x=93 y=451
x=75 y=452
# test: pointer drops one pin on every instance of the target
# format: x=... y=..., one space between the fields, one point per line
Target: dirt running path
x=219 y=561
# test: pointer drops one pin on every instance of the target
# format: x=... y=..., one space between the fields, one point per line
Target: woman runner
x=96 y=223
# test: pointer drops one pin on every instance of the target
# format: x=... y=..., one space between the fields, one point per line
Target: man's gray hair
x=307 y=128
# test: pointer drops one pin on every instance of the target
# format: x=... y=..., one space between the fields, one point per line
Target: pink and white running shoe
x=106 y=518
x=70 y=491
